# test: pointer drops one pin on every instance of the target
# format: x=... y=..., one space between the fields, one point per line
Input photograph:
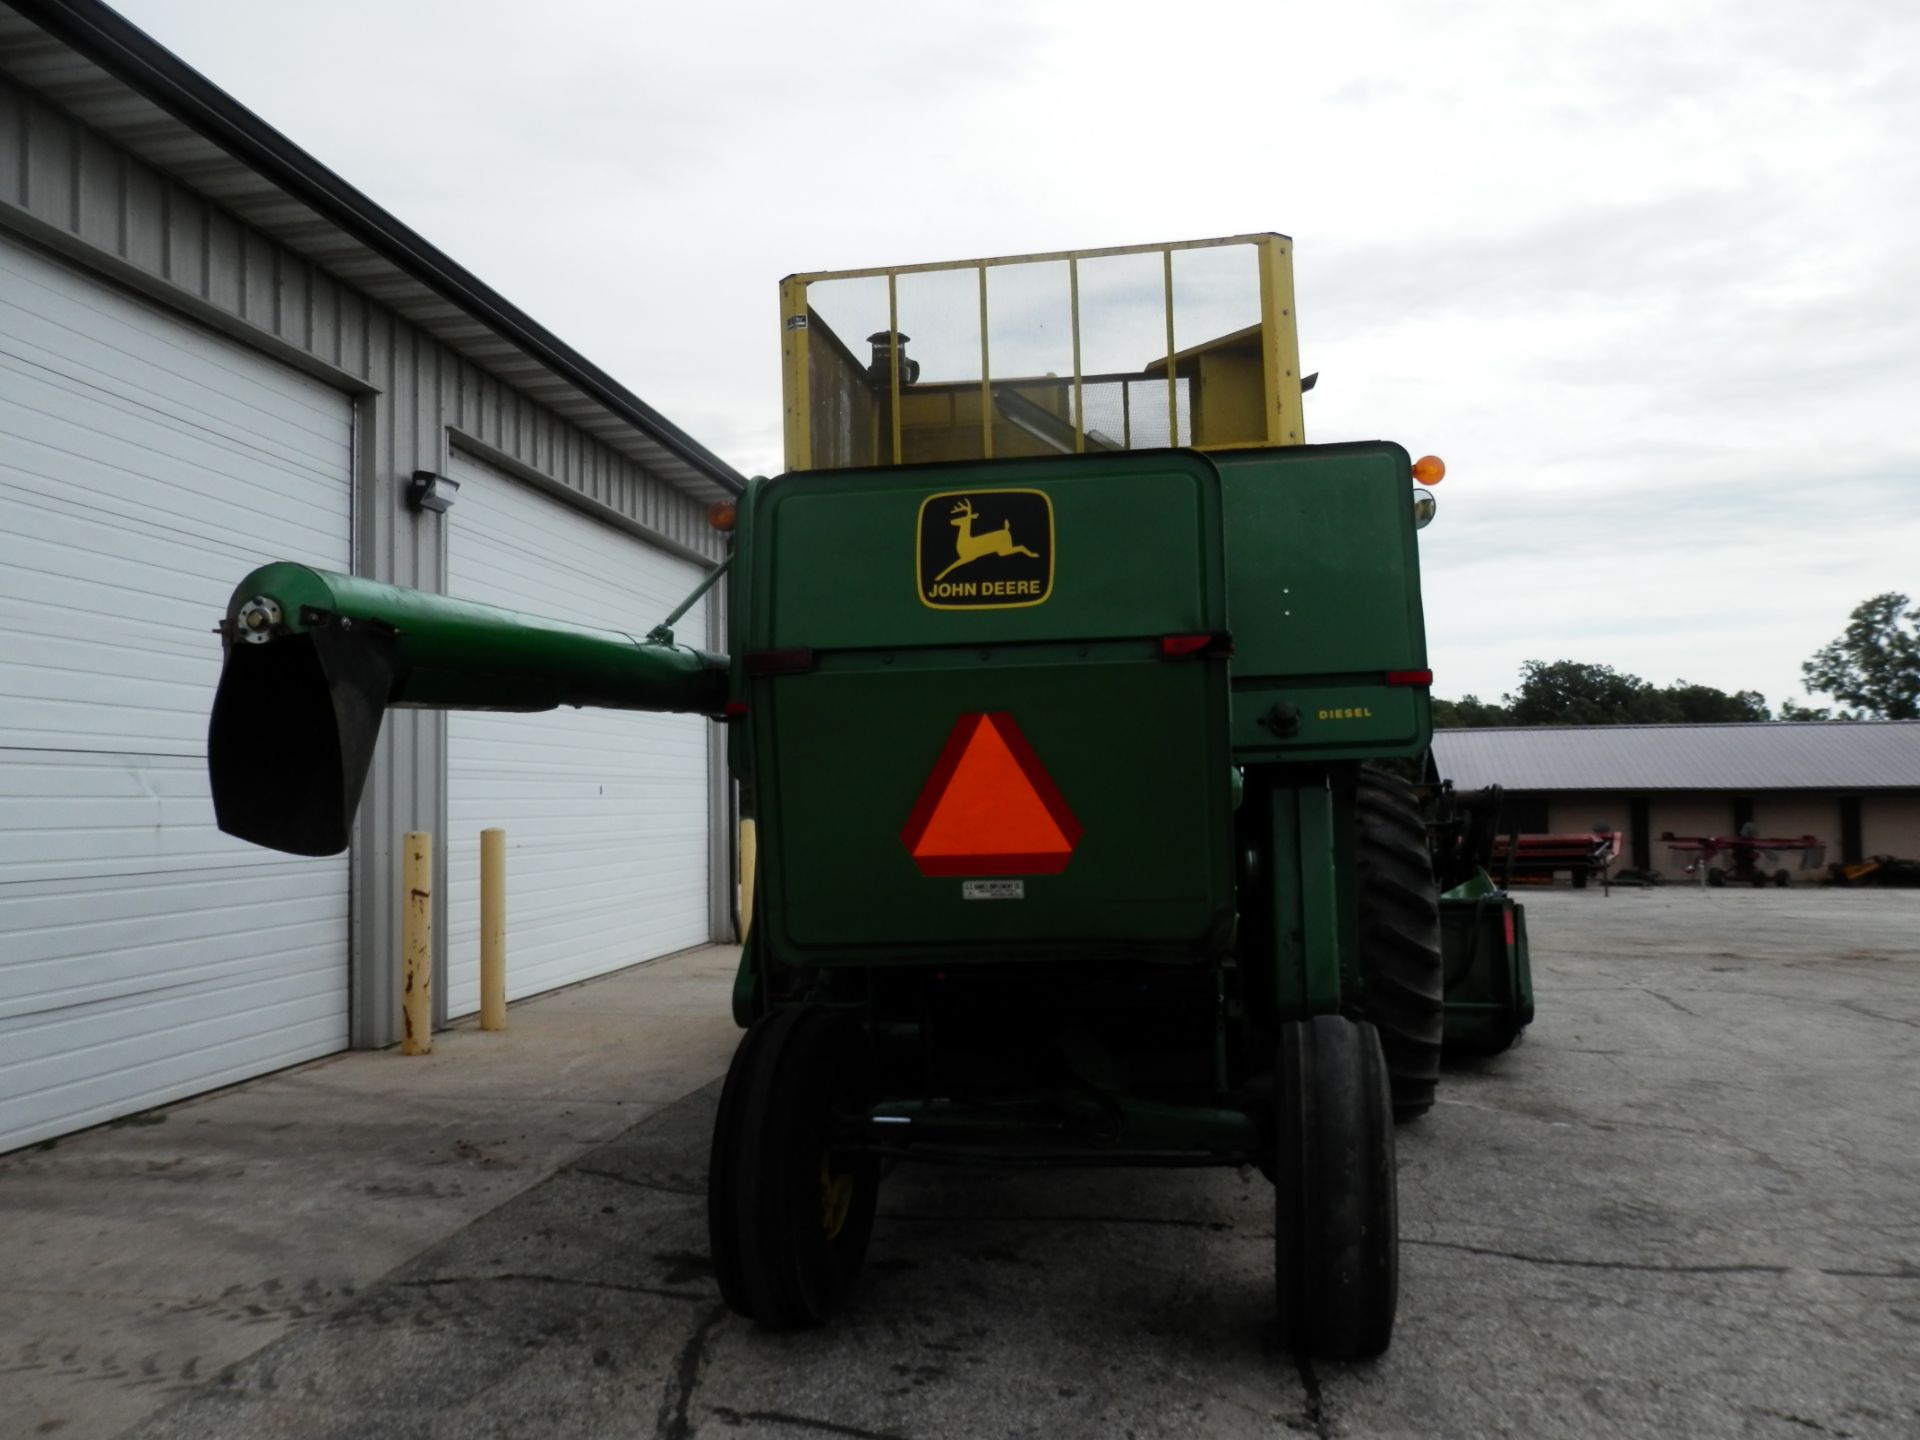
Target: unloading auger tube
x=314 y=660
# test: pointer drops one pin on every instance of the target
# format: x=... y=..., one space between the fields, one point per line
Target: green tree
x=1468 y=710
x=1568 y=692
x=1792 y=710
x=1875 y=664
x=1702 y=704
x=1571 y=692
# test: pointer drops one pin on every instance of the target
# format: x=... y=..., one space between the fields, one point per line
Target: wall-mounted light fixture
x=429 y=491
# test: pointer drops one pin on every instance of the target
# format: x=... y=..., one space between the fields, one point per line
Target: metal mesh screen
x=1039 y=355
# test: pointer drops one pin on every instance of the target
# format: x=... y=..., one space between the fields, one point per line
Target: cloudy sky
x=1647 y=276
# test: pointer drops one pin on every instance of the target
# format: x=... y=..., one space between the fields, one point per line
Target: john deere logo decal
x=985 y=549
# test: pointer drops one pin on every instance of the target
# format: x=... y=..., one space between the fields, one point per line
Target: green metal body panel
x=1324 y=588
x=1135 y=743
x=1137 y=551
x=1305 y=556
x=1489 y=977
x=1294 y=920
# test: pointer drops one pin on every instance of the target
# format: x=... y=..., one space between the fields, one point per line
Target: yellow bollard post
x=493 y=929
x=416 y=941
x=749 y=853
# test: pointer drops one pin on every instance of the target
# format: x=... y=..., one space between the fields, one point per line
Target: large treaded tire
x=784 y=1253
x=1336 y=1232
x=721 y=1162
x=1403 y=987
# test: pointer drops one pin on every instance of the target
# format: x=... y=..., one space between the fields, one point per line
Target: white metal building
x=214 y=352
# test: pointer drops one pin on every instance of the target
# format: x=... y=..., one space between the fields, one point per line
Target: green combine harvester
x=1056 y=665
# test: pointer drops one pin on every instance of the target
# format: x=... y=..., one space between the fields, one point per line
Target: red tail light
x=1507 y=915
x=1179 y=647
x=1409 y=677
x=735 y=710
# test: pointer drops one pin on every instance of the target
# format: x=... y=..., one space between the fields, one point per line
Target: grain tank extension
x=1056 y=659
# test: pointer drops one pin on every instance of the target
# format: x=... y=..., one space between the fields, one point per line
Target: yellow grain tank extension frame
x=1134 y=347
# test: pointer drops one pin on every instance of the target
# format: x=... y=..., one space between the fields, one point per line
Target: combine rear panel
x=989 y=711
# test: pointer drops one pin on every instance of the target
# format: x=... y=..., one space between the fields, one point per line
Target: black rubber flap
x=294 y=725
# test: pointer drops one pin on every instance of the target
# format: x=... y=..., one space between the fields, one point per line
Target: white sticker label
x=796 y=322
x=993 y=889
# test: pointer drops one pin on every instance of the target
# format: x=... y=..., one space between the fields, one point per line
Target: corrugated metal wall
x=69 y=188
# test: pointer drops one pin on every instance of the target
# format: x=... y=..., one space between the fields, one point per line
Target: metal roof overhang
x=93 y=63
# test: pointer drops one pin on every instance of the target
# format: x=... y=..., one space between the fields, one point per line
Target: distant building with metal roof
x=1832 y=755
x=1855 y=785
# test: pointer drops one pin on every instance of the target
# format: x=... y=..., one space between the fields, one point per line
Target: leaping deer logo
x=970 y=547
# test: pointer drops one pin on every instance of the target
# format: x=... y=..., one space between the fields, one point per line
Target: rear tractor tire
x=1336 y=1235
x=790 y=1210
x=1402 y=984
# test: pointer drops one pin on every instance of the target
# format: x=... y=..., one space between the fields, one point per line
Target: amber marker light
x=720 y=514
x=1429 y=470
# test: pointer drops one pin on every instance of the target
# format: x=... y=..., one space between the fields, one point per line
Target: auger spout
x=314 y=660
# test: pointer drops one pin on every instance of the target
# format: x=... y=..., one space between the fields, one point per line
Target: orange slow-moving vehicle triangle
x=990 y=808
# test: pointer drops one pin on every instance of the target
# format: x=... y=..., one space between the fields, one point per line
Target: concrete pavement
x=140 y=1259
x=1685 y=1206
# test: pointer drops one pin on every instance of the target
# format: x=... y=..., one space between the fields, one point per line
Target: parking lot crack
x=1646 y=1266
x=672 y=1422
x=620 y=1179
x=522 y=1278
x=1316 y=1412
x=1858 y=1009
x=800 y=1422
x=1852 y=1007
x=1800 y=1420
x=1669 y=1000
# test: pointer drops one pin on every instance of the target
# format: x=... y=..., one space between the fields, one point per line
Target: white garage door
x=605 y=811
x=145 y=466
